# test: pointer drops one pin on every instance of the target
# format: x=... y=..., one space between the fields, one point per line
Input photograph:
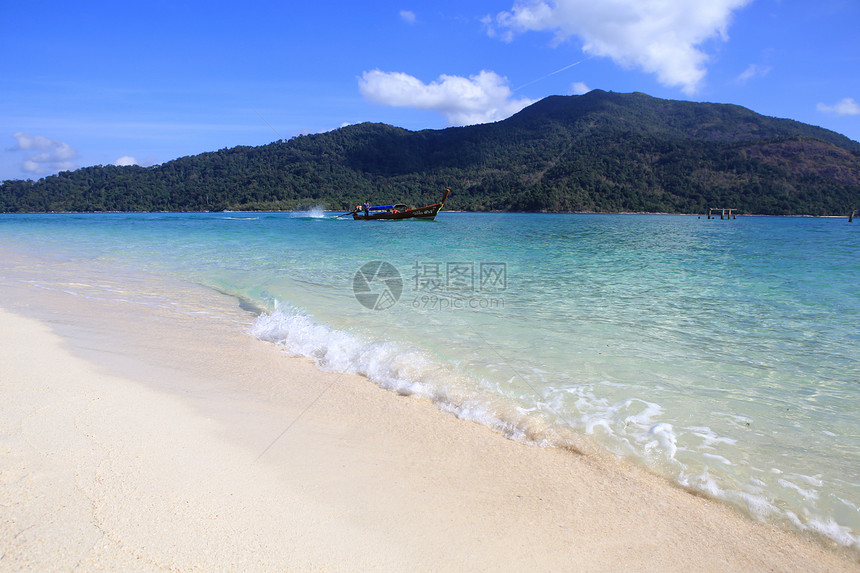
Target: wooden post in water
x=724 y=213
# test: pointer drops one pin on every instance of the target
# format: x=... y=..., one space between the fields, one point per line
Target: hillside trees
x=600 y=152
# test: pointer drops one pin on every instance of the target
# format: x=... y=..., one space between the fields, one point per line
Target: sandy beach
x=142 y=437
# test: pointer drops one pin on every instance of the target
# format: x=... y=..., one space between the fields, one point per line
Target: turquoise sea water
x=724 y=355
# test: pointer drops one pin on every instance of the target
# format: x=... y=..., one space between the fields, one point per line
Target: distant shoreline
x=444 y=211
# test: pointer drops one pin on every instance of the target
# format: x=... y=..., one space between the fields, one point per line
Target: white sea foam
x=709 y=437
x=665 y=439
x=829 y=528
x=717 y=458
x=317 y=212
x=806 y=493
x=630 y=427
x=397 y=367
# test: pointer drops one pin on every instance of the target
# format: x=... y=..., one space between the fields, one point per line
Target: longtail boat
x=389 y=212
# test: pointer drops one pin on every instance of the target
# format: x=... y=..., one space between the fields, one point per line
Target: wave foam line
x=407 y=371
x=632 y=426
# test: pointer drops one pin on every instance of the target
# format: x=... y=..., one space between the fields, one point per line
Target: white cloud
x=579 y=88
x=407 y=16
x=28 y=142
x=753 y=71
x=846 y=106
x=56 y=155
x=482 y=98
x=658 y=36
x=125 y=161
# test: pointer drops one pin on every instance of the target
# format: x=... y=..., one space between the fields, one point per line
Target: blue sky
x=101 y=83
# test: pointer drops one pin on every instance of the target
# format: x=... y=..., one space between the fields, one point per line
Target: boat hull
x=427 y=213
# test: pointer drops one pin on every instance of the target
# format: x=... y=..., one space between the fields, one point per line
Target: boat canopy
x=387 y=207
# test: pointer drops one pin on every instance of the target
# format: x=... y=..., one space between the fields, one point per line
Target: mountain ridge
x=598 y=152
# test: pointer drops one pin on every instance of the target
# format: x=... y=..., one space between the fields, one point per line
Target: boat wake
x=317 y=212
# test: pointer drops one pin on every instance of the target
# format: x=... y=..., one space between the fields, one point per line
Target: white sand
x=141 y=438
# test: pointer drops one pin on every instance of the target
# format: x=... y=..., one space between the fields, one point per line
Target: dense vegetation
x=603 y=152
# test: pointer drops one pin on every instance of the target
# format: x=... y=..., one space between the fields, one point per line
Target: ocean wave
x=403 y=369
x=631 y=428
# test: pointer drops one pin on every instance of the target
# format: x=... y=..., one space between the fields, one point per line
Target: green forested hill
x=601 y=151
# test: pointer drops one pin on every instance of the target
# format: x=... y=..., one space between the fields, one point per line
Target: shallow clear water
x=722 y=354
